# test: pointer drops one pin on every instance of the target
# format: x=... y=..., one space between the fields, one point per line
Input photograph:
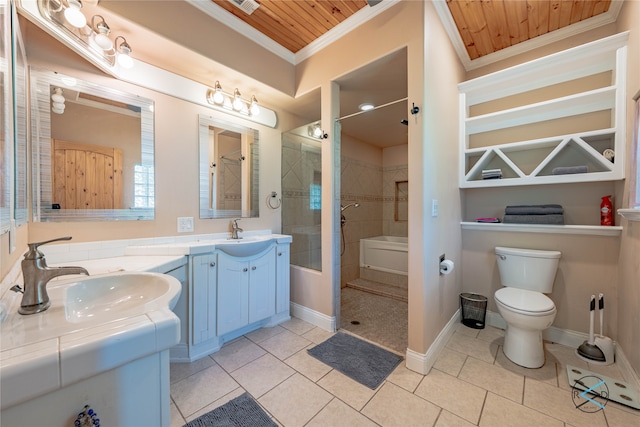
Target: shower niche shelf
x=537 y=121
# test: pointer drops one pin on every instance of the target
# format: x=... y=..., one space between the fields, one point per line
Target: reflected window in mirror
x=5 y=128
x=93 y=151
x=20 y=125
x=229 y=169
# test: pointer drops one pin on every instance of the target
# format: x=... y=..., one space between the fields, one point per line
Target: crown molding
x=471 y=64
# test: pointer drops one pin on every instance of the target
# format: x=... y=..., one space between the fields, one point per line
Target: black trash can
x=474 y=310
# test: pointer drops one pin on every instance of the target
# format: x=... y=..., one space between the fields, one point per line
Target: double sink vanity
x=107 y=339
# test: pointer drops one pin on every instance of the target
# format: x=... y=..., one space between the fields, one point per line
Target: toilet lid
x=524 y=300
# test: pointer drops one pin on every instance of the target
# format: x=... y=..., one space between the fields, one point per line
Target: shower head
x=343 y=208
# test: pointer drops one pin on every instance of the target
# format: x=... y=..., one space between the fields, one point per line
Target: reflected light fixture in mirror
x=57 y=101
x=74 y=15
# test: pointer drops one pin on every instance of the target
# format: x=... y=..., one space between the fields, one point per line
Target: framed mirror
x=20 y=123
x=93 y=151
x=229 y=169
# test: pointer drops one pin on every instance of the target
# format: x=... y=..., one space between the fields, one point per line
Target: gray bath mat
x=359 y=360
x=242 y=411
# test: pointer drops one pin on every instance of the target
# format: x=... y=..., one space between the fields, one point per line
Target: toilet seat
x=524 y=301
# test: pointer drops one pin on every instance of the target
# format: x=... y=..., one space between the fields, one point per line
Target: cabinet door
x=203 y=297
x=233 y=293
x=262 y=286
x=283 y=289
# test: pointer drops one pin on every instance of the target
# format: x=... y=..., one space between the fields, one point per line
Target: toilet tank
x=529 y=269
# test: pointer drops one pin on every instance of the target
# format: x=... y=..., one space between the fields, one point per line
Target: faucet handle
x=34 y=253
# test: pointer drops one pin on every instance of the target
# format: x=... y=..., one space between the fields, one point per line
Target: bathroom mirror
x=229 y=169
x=93 y=151
x=5 y=140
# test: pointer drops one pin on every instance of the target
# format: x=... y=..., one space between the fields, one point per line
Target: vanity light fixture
x=101 y=36
x=123 y=51
x=235 y=103
x=74 y=15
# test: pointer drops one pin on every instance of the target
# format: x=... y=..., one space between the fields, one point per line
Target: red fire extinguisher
x=606 y=211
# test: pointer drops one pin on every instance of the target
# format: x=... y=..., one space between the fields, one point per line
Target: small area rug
x=243 y=411
x=361 y=361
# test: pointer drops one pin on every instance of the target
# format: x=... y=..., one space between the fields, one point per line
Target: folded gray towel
x=555 y=219
x=533 y=210
x=566 y=170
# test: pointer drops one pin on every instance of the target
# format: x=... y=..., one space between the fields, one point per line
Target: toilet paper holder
x=446 y=266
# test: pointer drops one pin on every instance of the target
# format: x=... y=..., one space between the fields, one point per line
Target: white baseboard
x=316 y=318
x=422 y=363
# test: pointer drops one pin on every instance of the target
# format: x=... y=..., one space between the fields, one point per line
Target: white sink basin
x=117 y=295
x=244 y=247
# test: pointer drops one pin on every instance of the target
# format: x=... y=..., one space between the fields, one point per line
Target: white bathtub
x=385 y=253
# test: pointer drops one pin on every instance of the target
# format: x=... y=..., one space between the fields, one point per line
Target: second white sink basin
x=244 y=247
x=117 y=295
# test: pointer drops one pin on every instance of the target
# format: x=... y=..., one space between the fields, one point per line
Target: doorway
x=373 y=181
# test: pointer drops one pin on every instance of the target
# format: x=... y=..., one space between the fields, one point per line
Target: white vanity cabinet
x=230 y=295
x=246 y=289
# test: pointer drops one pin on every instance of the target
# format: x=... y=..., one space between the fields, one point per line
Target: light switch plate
x=185 y=224
x=434 y=208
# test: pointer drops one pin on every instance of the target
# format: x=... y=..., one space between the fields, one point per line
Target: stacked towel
x=491 y=173
x=534 y=214
x=566 y=170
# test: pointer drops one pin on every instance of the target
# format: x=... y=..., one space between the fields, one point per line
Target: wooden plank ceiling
x=485 y=26
x=295 y=24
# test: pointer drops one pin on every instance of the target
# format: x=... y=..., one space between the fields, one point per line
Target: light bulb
x=57 y=110
x=103 y=41
x=102 y=31
x=58 y=105
x=218 y=96
x=124 y=60
x=57 y=96
x=317 y=132
x=254 y=109
x=237 y=100
x=73 y=15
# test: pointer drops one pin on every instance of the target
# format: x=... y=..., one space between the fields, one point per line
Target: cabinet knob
x=279 y=253
x=253 y=268
x=213 y=264
x=245 y=269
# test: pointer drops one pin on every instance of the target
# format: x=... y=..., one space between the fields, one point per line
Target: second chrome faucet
x=36 y=274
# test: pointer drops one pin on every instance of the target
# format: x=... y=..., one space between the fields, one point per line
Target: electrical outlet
x=185 y=224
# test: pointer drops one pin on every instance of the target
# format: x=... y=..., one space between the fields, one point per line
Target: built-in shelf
x=630 y=214
x=585 y=230
x=541 y=121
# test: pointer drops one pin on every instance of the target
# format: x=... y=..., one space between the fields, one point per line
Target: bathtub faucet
x=36 y=275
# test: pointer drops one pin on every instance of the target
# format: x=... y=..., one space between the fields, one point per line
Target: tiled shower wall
x=374 y=187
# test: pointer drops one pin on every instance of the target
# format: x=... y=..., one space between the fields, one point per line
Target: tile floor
x=472 y=383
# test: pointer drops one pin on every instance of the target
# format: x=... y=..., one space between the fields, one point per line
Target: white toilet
x=526 y=275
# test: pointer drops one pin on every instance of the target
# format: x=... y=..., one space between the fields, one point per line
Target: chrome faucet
x=235 y=229
x=36 y=275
